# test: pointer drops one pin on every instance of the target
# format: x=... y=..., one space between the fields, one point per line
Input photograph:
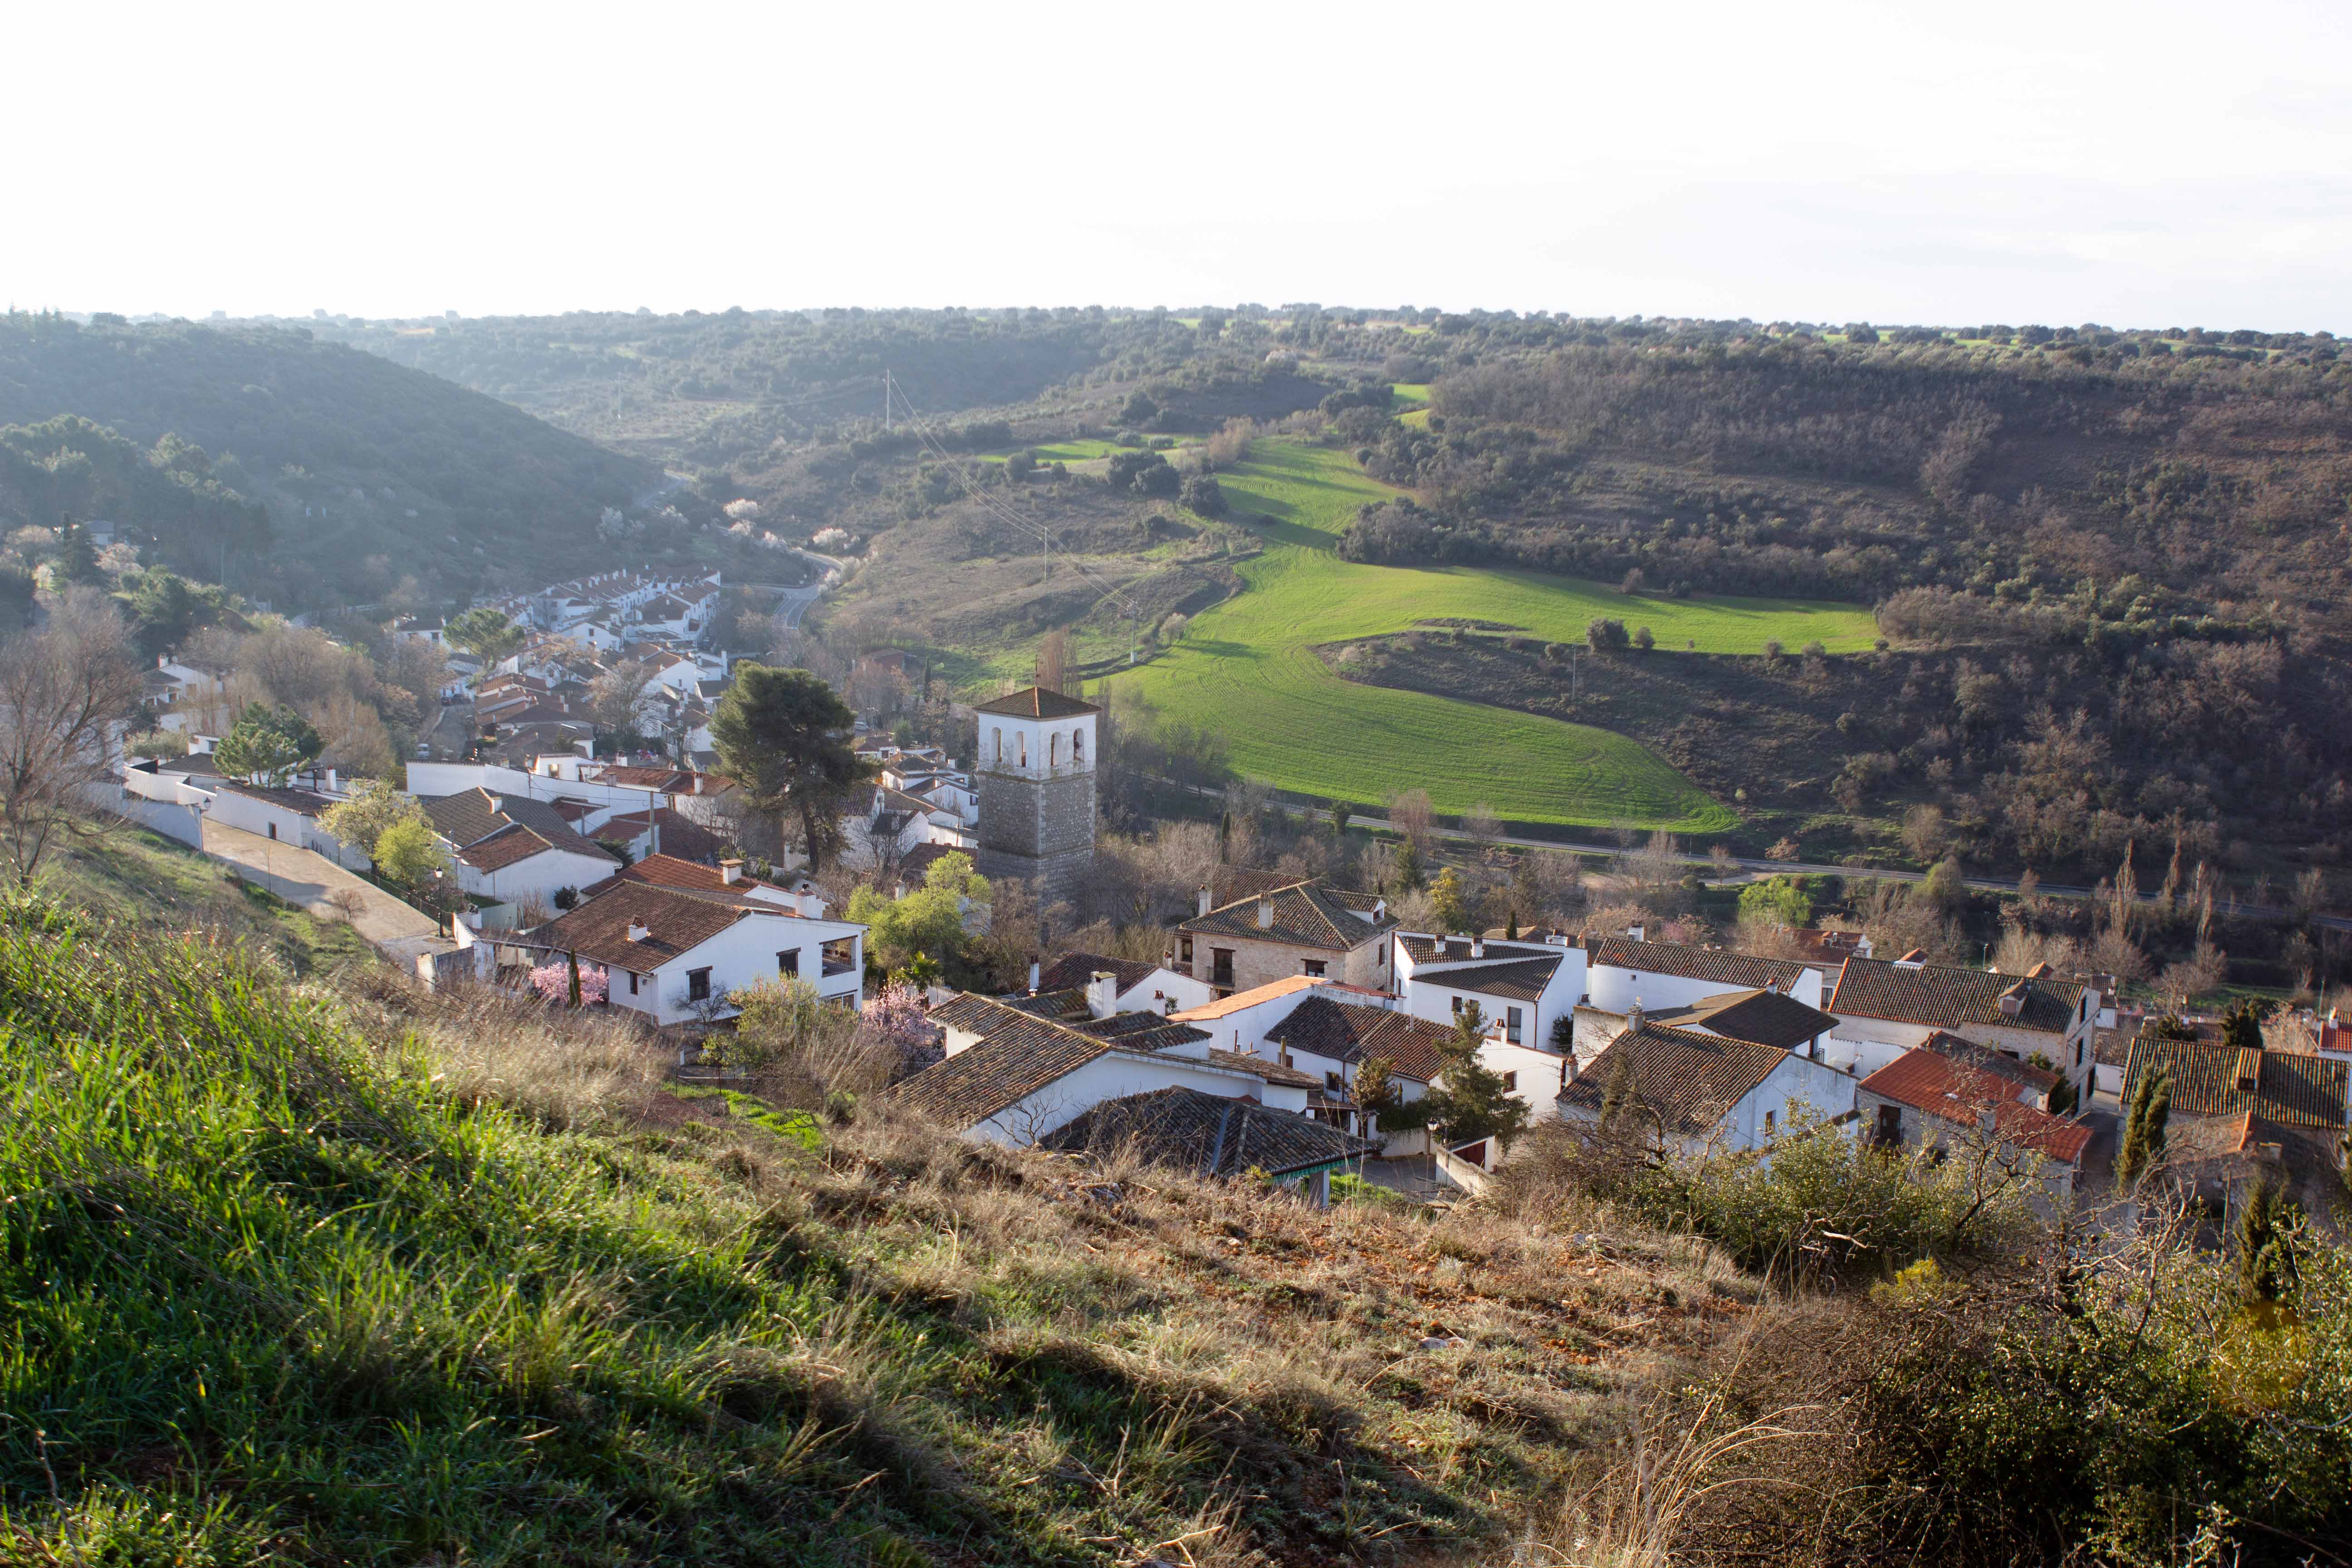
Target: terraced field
x=1248 y=669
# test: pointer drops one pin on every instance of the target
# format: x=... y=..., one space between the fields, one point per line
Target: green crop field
x=1413 y=392
x=1075 y=451
x=1247 y=669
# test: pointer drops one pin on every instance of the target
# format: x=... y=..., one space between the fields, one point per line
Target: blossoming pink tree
x=552 y=982
x=896 y=1019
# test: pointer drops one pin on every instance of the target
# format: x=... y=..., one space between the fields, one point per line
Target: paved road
x=1803 y=867
x=792 y=604
x=307 y=878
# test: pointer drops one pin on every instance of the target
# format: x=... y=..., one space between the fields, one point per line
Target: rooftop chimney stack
x=1102 y=993
x=1266 y=914
x=1032 y=977
x=731 y=872
x=1202 y=901
x=1477 y=947
x=639 y=930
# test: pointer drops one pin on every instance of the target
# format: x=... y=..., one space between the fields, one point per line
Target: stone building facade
x=1035 y=779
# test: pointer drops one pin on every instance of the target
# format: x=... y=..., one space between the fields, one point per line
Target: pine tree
x=77 y=558
x=1408 y=867
x=1511 y=926
x=1468 y=1102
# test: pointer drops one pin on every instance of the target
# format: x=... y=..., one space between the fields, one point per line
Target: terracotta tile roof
x=599 y=928
x=1013 y=1063
x=1952 y=1048
x=677 y=832
x=2207 y=1080
x=989 y=1016
x=1074 y=969
x=1760 y=1017
x=1223 y=1006
x=686 y=876
x=471 y=815
x=1273 y=1072
x=507 y=846
x=1304 y=915
x=1036 y=702
x=1414 y=1047
x=1228 y=883
x=1521 y=980
x=1957 y=1094
x=1732 y=971
x=1423 y=948
x=1208 y=1135
x=1689 y=1079
x=1947 y=996
x=302 y=802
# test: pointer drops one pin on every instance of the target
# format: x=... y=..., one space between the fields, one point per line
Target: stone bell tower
x=1035 y=778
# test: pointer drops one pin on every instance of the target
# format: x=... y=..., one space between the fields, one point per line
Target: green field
x=1413 y=392
x=1075 y=451
x=1247 y=669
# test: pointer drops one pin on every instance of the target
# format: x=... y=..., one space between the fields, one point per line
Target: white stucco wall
x=745 y=954
x=1615 y=989
x=1111 y=1076
x=536 y=878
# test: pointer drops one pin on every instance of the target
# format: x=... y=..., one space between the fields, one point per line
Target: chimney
x=1638 y=933
x=1266 y=914
x=1202 y=899
x=1102 y=993
x=638 y=929
x=1032 y=977
x=2013 y=1001
x=1381 y=912
x=1477 y=947
x=731 y=872
x=1633 y=1016
x=2037 y=971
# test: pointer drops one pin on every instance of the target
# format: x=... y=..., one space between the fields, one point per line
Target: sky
x=2143 y=165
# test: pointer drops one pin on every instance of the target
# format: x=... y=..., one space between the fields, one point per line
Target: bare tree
x=615 y=696
x=1409 y=815
x=1485 y=828
x=63 y=690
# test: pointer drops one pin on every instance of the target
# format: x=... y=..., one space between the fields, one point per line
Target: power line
x=994 y=507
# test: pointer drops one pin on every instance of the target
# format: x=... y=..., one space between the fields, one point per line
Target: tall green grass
x=287 y=1282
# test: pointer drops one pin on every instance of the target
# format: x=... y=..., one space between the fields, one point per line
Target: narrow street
x=310 y=879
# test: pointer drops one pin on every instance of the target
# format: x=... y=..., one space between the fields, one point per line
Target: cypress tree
x=2143 y=1140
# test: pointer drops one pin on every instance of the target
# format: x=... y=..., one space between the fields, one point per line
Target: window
x=698 y=984
x=1077 y=745
x=788 y=963
x=1458 y=1006
x=1331 y=1082
x=633 y=980
x=997 y=736
x=1771 y=1125
x=273 y=829
x=1053 y=749
x=1510 y=1081
x=2078 y=1053
x=1514 y=1024
x=1024 y=741
x=1220 y=966
x=1314 y=966
x=1184 y=952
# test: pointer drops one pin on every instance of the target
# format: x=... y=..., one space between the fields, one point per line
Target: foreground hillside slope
x=294 y=1275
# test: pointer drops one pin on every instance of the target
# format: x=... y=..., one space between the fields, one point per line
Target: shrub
x=1642 y=639
x=1605 y=633
x=1203 y=494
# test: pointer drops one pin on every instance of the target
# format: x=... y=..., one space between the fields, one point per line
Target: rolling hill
x=370 y=471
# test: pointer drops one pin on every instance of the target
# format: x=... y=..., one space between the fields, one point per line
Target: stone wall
x=1040 y=830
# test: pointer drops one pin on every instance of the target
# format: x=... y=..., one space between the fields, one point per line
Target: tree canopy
x=785 y=738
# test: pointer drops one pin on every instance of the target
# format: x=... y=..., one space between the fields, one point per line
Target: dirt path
x=302 y=877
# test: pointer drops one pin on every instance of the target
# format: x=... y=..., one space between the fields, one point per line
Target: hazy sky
x=2136 y=165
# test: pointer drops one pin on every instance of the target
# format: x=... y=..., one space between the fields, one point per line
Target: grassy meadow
x=1248 y=670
